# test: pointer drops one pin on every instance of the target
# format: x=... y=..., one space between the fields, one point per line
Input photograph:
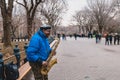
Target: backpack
x=11 y=71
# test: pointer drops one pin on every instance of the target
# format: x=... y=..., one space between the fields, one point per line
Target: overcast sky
x=73 y=5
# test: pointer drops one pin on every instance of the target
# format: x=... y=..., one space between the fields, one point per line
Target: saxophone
x=44 y=70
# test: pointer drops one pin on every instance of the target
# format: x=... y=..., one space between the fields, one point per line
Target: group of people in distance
x=111 y=38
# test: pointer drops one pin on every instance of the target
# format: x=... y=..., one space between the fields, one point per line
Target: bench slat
x=23 y=70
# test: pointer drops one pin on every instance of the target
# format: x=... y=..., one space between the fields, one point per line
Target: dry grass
x=7 y=52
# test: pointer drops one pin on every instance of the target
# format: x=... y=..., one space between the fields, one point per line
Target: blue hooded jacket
x=38 y=47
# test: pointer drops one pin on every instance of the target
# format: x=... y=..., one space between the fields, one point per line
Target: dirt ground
x=7 y=52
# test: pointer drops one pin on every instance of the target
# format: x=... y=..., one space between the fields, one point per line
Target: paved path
x=83 y=59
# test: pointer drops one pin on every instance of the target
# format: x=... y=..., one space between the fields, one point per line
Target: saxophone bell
x=45 y=70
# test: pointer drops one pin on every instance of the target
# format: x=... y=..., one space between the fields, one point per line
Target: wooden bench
x=23 y=70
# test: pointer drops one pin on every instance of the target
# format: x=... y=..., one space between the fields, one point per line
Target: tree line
x=30 y=14
x=99 y=15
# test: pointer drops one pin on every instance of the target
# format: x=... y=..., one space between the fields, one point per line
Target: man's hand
x=54 y=53
x=44 y=63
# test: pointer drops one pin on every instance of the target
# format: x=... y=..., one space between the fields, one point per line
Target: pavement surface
x=83 y=59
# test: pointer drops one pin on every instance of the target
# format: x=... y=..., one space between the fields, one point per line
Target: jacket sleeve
x=33 y=48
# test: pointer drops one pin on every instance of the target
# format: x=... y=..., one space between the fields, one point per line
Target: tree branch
x=24 y=5
x=20 y=3
x=32 y=5
x=34 y=9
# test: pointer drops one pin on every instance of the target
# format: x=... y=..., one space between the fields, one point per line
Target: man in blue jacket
x=38 y=51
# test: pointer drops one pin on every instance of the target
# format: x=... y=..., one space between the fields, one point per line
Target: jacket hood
x=41 y=33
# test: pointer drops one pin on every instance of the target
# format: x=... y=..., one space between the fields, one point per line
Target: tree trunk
x=83 y=29
x=100 y=29
x=6 y=29
x=29 y=28
x=6 y=11
x=79 y=29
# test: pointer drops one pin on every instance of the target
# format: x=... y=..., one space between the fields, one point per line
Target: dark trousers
x=36 y=68
x=118 y=42
x=114 y=41
x=106 y=42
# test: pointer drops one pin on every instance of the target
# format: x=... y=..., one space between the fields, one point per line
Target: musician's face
x=47 y=32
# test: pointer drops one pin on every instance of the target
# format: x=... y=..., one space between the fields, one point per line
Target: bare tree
x=17 y=21
x=30 y=7
x=90 y=24
x=6 y=11
x=78 y=19
x=81 y=18
x=103 y=11
x=36 y=23
x=90 y=20
x=117 y=2
x=52 y=11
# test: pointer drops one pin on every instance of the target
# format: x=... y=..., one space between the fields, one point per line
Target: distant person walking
x=115 y=38
x=58 y=35
x=107 y=39
x=63 y=36
x=90 y=35
x=97 y=37
x=118 y=39
x=110 y=39
x=75 y=36
x=100 y=37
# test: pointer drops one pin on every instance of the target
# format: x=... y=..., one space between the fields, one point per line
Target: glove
x=44 y=63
